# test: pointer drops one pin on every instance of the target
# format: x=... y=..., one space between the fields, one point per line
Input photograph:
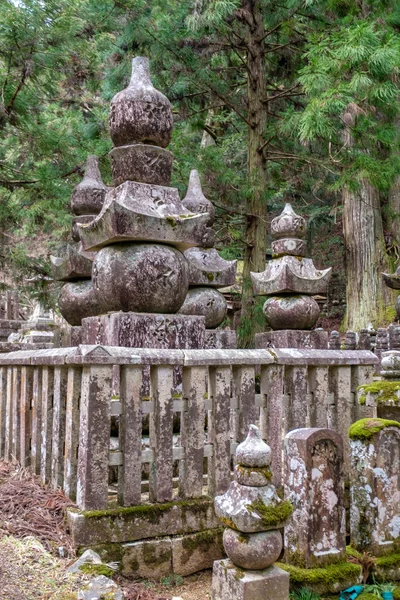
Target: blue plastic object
x=351 y=593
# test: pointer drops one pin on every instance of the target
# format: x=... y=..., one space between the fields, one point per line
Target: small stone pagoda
x=254 y=515
x=290 y=280
x=145 y=246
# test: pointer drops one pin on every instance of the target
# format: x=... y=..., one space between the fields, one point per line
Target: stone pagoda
x=133 y=276
x=77 y=297
x=290 y=280
x=254 y=515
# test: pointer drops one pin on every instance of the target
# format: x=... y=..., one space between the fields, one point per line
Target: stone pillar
x=375 y=485
x=364 y=340
x=314 y=484
x=253 y=513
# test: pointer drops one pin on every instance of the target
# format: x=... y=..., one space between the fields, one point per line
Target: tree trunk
x=368 y=299
x=251 y=319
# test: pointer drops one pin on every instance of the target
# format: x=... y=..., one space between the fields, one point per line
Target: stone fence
x=58 y=407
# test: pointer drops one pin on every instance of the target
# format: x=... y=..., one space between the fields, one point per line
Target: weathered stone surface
x=142 y=212
x=288 y=246
x=231 y=583
x=140 y=113
x=74 y=264
x=89 y=557
x=76 y=221
x=140 y=278
x=334 y=340
x=77 y=301
x=88 y=196
x=289 y=274
x=255 y=551
x=151 y=559
x=220 y=339
x=291 y=312
x=140 y=522
x=314 y=484
x=254 y=477
x=397 y=306
x=193 y=553
x=206 y=267
x=99 y=588
x=390 y=364
x=288 y=224
x=253 y=452
x=195 y=200
x=141 y=162
x=316 y=339
x=207 y=302
x=375 y=490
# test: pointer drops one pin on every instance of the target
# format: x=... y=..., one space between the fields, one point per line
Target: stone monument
x=254 y=514
x=208 y=271
x=290 y=280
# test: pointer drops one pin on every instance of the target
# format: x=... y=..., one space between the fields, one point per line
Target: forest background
x=274 y=101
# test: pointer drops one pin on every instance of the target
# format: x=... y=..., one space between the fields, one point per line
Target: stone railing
x=57 y=407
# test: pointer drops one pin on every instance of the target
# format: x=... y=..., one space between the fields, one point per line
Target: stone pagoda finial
x=141 y=124
x=88 y=196
x=254 y=514
x=195 y=200
x=288 y=229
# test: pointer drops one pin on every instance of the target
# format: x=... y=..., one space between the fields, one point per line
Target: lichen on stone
x=365 y=429
x=271 y=515
x=332 y=575
x=386 y=390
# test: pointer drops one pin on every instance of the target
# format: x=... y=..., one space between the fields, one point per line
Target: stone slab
x=16 y=346
x=192 y=553
x=140 y=522
x=316 y=339
x=231 y=583
x=151 y=559
x=145 y=330
x=220 y=339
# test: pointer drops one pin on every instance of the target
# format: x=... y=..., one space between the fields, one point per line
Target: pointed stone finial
x=195 y=200
x=140 y=113
x=288 y=224
x=253 y=452
x=88 y=196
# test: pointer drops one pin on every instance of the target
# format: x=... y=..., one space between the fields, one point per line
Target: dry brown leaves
x=29 y=509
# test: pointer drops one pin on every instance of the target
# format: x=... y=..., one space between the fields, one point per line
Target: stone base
x=327 y=580
x=387 y=568
x=316 y=339
x=231 y=583
x=221 y=339
x=182 y=555
x=388 y=412
x=16 y=346
x=145 y=330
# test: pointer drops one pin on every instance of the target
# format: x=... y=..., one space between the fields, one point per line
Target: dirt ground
x=36 y=549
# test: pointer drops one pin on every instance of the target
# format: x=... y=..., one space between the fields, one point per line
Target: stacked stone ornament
x=77 y=298
x=142 y=230
x=290 y=280
x=208 y=271
x=254 y=514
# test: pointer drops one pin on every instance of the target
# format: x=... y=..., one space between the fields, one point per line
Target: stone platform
x=316 y=339
x=230 y=582
x=145 y=330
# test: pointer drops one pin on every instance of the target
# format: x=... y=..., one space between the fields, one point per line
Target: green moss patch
x=271 y=516
x=366 y=596
x=330 y=579
x=97 y=570
x=390 y=560
x=365 y=429
x=386 y=390
x=149 y=511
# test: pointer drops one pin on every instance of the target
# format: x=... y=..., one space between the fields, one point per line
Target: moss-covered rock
x=272 y=516
x=325 y=580
x=365 y=429
x=386 y=391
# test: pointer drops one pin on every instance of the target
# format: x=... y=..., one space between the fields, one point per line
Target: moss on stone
x=386 y=390
x=366 y=596
x=171 y=220
x=271 y=516
x=228 y=522
x=396 y=593
x=390 y=560
x=202 y=540
x=111 y=552
x=350 y=551
x=365 y=429
x=331 y=576
x=153 y=512
x=91 y=569
x=266 y=471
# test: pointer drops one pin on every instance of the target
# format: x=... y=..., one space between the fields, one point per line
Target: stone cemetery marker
x=375 y=485
x=314 y=484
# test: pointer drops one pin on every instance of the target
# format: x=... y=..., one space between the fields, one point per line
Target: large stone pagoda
x=143 y=239
x=290 y=281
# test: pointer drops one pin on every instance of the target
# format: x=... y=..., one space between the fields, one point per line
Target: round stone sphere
x=291 y=312
x=207 y=302
x=254 y=551
x=77 y=301
x=150 y=278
